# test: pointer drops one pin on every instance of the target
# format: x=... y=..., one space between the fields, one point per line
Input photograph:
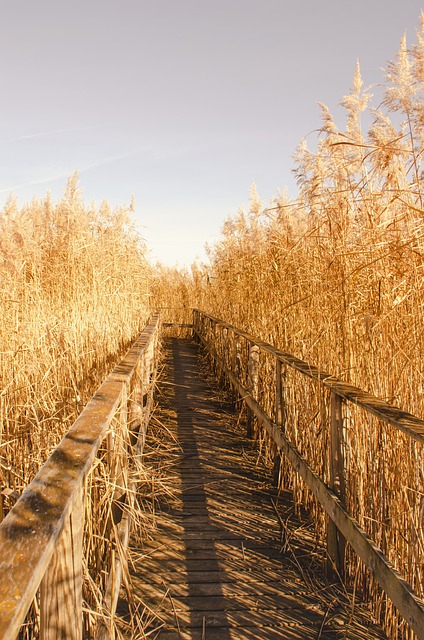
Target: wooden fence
x=236 y=356
x=41 y=539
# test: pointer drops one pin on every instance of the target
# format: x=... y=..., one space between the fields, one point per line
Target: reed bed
x=74 y=293
x=335 y=277
x=176 y=291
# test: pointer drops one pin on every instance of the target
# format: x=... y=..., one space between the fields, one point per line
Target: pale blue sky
x=183 y=103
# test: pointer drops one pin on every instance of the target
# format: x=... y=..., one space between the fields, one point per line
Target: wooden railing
x=41 y=539
x=236 y=356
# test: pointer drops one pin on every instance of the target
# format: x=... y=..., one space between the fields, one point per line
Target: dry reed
x=336 y=278
x=74 y=286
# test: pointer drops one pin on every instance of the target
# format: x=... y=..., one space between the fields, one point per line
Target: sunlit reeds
x=336 y=278
x=74 y=285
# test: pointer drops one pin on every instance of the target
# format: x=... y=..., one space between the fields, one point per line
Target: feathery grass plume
x=402 y=95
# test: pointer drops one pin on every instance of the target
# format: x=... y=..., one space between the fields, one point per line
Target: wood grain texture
x=61 y=587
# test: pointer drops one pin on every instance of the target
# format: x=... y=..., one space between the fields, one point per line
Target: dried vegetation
x=336 y=278
x=73 y=294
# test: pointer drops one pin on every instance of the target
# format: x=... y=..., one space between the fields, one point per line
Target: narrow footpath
x=222 y=565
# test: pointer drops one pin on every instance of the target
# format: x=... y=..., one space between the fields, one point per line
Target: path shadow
x=195 y=513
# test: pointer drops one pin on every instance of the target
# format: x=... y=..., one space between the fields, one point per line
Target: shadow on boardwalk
x=217 y=567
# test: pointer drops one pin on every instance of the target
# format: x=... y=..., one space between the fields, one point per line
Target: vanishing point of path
x=222 y=565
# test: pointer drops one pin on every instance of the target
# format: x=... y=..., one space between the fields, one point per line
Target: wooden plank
x=246 y=567
x=118 y=449
x=232 y=583
x=271 y=632
x=119 y=563
x=180 y=325
x=240 y=595
x=255 y=618
x=207 y=601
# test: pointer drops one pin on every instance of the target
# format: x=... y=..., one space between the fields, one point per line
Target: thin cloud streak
x=42 y=134
x=109 y=160
x=65 y=174
x=31 y=183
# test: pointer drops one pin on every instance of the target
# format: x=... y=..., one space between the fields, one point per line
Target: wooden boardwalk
x=222 y=564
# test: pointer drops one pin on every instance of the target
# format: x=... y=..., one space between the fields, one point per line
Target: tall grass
x=74 y=292
x=336 y=277
x=176 y=291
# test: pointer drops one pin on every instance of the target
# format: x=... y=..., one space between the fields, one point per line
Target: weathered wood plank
x=180 y=325
x=61 y=587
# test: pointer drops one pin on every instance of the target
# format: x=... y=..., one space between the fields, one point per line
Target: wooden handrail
x=41 y=537
x=402 y=420
x=344 y=527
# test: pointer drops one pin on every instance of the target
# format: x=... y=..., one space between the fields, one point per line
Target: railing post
x=235 y=362
x=144 y=376
x=213 y=347
x=148 y=384
x=252 y=384
x=217 y=343
x=201 y=324
x=135 y=407
x=122 y=502
x=279 y=413
x=226 y=357
x=195 y=315
x=336 y=543
x=61 y=587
